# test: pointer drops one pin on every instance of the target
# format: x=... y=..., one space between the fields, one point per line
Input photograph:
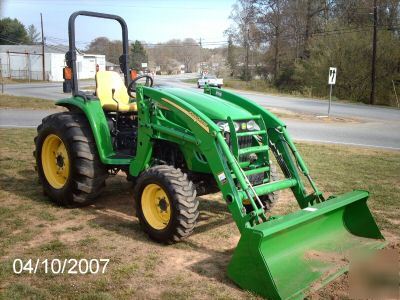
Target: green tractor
x=174 y=145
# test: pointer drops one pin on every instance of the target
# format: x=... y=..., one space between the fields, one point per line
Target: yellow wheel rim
x=55 y=161
x=156 y=206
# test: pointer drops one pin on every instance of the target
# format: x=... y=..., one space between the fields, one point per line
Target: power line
x=10 y=41
x=100 y=4
x=15 y=42
x=64 y=40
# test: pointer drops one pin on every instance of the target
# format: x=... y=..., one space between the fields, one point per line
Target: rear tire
x=166 y=204
x=68 y=164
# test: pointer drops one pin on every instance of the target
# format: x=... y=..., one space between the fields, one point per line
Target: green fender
x=98 y=123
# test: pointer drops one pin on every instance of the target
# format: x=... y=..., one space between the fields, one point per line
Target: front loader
x=174 y=144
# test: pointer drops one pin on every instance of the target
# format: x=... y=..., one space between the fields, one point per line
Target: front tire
x=269 y=200
x=68 y=164
x=166 y=204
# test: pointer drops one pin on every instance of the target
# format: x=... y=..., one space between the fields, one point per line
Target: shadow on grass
x=114 y=211
x=26 y=185
x=214 y=267
x=115 y=208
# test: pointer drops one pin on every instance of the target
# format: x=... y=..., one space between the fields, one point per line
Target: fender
x=98 y=123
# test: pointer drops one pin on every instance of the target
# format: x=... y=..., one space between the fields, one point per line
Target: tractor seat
x=106 y=81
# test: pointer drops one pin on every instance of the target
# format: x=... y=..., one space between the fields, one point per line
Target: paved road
x=375 y=127
x=304 y=105
x=47 y=90
x=21 y=118
x=363 y=134
x=378 y=126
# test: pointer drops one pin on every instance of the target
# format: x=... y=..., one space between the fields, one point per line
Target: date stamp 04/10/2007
x=61 y=266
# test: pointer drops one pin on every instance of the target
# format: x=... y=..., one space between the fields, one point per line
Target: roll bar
x=71 y=54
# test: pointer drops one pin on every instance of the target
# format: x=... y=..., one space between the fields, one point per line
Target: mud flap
x=301 y=252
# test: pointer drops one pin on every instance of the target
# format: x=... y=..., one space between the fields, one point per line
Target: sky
x=151 y=21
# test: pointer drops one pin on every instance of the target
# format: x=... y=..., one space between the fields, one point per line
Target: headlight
x=224 y=126
x=236 y=125
x=252 y=125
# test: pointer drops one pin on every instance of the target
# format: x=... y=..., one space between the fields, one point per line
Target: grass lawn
x=14 y=81
x=260 y=85
x=9 y=101
x=32 y=227
x=257 y=85
x=191 y=80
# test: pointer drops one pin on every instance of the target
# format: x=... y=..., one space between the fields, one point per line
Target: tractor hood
x=213 y=107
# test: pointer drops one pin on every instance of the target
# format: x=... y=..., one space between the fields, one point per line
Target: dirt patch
x=327 y=257
x=340 y=288
x=335 y=260
x=337 y=289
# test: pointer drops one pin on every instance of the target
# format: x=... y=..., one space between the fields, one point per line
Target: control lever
x=115 y=131
x=112 y=96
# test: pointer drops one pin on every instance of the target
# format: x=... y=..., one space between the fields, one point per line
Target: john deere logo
x=190 y=114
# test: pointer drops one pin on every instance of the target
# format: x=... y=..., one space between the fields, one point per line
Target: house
x=112 y=67
x=25 y=62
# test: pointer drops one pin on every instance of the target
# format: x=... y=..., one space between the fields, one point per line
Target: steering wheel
x=132 y=86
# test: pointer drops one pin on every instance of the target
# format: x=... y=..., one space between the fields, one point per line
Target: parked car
x=211 y=80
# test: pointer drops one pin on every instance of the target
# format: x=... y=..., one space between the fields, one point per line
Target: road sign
x=331 y=82
x=144 y=65
x=332 y=76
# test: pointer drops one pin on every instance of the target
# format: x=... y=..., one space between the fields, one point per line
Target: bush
x=351 y=54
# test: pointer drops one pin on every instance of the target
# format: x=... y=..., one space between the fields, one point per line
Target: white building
x=25 y=62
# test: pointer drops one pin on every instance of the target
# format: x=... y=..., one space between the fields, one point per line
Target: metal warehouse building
x=25 y=62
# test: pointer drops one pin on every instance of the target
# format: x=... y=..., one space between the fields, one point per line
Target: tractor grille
x=246 y=142
x=243 y=141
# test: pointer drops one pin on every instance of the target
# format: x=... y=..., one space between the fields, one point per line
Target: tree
x=12 y=31
x=33 y=34
x=231 y=59
x=138 y=55
x=271 y=21
x=111 y=49
x=187 y=53
x=301 y=39
x=351 y=53
x=243 y=17
x=170 y=55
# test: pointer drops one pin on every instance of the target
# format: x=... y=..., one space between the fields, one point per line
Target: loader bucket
x=288 y=257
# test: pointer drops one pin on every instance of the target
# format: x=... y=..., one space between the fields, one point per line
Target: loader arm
x=224 y=163
x=276 y=252
x=204 y=133
x=281 y=144
x=292 y=254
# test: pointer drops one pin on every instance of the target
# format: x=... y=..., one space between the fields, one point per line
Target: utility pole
x=201 y=56
x=43 y=62
x=374 y=41
x=2 y=79
x=247 y=55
